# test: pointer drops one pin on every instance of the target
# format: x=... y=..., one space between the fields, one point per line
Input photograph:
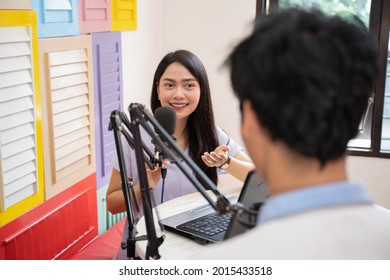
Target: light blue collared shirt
x=315 y=197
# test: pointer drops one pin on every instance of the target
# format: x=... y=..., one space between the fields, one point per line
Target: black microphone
x=166 y=117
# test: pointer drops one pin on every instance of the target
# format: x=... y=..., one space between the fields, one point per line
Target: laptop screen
x=253 y=193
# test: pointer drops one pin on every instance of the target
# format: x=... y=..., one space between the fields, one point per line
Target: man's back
x=343 y=232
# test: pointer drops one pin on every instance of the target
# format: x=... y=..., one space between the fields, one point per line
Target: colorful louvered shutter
x=16 y=4
x=21 y=176
x=67 y=88
x=124 y=15
x=108 y=97
x=94 y=15
x=57 y=17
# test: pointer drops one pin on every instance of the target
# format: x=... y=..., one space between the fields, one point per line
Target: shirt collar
x=320 y=196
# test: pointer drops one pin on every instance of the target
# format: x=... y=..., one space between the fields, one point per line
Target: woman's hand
x=217 y=157
x=154 y=176
x=114 y=197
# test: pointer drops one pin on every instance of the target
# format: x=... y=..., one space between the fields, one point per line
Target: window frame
x=379 y=26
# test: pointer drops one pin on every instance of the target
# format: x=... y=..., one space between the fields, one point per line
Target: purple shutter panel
x=108 y=97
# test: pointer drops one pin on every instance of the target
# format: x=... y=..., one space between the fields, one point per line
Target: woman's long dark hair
x=200 y=128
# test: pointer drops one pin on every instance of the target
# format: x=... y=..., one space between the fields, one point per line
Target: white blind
x=18 y=176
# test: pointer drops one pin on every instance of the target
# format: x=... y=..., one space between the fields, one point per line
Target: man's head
x=306 y=78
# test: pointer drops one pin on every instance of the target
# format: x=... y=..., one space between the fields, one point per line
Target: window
x=385 y=143
x=373 y=138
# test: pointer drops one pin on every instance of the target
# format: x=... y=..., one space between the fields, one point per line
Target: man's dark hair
x=308 y=77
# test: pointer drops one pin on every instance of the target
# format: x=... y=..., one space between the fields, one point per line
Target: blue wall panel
x=57 y=18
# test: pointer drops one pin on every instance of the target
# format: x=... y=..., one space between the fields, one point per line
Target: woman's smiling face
x=179 y=90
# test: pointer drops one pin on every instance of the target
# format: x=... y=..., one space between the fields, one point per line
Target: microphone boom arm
x=120 y=123
x=130 y=140
x=115 y=125
x=140 y=115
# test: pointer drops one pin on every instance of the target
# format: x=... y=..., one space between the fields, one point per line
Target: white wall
x=374 y=172
x=140 y=53
x=209 y=28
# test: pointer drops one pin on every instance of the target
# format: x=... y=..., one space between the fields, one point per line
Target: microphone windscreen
x=166 y=117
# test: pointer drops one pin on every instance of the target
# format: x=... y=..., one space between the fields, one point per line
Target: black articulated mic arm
x=153 y=241
x=120 y=124
x=141 y=116
x=117 y=127
x=167 y=146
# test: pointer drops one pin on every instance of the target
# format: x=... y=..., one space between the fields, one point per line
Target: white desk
x=174 y=245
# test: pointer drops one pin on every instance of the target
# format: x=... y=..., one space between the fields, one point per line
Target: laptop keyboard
x=210 y=225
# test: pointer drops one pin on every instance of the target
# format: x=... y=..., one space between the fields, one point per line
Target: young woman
x=181 y=82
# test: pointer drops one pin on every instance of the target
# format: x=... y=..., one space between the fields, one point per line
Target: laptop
x=205 y=225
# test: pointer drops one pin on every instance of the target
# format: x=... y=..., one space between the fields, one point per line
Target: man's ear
x=251 y=128
x=249 y=120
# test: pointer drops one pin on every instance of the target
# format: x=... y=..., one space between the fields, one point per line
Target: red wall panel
x=55 y=229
